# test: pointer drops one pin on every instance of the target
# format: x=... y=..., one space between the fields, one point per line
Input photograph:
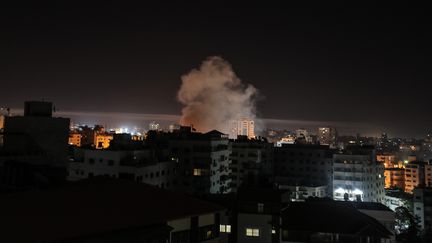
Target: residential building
x=388 y=159
x=422 y=206
x=357 y=176
x=251 y=161
x=258 y=216
x=394 y=177
x=253 y=215
x=102 y=140
x=75 y=139
x=417 y=173
x=302 y=136
x=243 y=127
x=327 y=136
x=136 y=165
x=303 y=165
x=88 y=134
x=34 y=147
x=395 y=198
x=153 y=126
x=203 y=159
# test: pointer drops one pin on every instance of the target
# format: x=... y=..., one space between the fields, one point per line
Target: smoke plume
x=213 y=96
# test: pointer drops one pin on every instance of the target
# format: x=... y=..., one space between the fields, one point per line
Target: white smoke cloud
x=213 y=96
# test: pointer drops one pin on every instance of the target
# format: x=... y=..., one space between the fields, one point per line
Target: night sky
x=367 y=66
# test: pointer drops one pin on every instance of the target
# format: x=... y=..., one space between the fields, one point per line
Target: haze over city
x=214 y=122
x=363 y=66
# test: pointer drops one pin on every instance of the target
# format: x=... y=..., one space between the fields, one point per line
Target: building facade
x=102 y=140
x=203 y=159
x=417 y=173
x=303 y=165
x=422 y=206
x=327 y=136
x=357 y=176
x=75 y=139
x=394 y=177
x=135 y=165
x=242 y=127
x=251 y=161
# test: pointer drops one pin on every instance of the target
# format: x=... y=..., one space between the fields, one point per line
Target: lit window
x=228 y=228
x=252 y=232
x=273 y=231
x=197 y=172
x=225 y=228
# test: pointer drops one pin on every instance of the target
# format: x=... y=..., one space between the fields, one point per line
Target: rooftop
x=329 y=216
x=366 y=205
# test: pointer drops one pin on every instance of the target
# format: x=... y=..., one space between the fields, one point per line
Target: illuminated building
x=153 y=126
x=302 y=136
x=302 y=193
x=357 y=176
x=102 y=140
x=137 y=137
x=173 y=127
x=327 y=136
x=75 y=139
x=88 y=134
x=394 y=177
x=395 y=198
x=428 y=175
x=242 y=127
x=387 y=159
x=417 y=173
x=290 y=139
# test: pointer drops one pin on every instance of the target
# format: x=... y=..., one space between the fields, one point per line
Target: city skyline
x=130 y=120
x=78 y=58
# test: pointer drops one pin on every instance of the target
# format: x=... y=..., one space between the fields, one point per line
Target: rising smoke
x=213 y=96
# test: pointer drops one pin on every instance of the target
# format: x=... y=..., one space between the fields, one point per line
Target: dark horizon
x=343 y=65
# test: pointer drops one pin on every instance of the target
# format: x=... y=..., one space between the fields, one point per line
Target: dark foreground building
x=330 y=221
x=33 y=148
x=105 y=210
